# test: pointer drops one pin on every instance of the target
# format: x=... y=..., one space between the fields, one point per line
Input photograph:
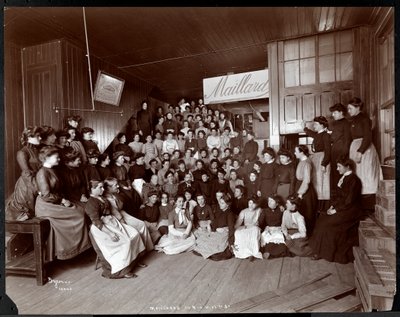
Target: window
x=386 y=93
x=319 y=59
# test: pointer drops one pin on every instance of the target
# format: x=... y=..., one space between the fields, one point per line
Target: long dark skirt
x=21 y=206
x=308 y=207
x=334 y=236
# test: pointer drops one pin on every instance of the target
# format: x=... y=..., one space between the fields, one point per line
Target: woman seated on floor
x=294 y=228
x=165 y=209
x=68 y=233
x=247 y=232
x=336 y=230
x=150 y=213
x=215 y=245
x=272 y=239
x=179 y=238
x=116 y=244
x=112 y=194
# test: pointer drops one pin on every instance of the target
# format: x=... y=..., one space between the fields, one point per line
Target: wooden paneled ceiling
x=175 y=48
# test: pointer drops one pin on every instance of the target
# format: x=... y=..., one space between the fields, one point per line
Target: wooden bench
x=32 y=263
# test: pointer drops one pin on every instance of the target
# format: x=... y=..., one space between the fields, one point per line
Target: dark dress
x=238 y=205
x=273 y=218
x=223 y=219
x=73 y=183
x=217 y=186
x=130 y=198
x=144 y=122
x=250 y=151
x=90 y=145
x=91 y=173
x=104 y=172
x=285 y=180
x=334 y=236
x=68 y=234
x=124 y=148
x=340 y=138
x=22 y=202
x=268 y=178
x=252 y=188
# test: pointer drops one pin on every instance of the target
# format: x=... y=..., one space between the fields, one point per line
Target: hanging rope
x=88 y=57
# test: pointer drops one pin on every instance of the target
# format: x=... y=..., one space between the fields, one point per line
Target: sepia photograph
x=199 y=160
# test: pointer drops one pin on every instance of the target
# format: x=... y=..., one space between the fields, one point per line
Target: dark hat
x=269 y=150
x=118 y=154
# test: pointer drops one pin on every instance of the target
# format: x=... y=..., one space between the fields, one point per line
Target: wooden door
x=40 y=94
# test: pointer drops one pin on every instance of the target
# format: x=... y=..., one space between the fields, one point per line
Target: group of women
x=200 y=188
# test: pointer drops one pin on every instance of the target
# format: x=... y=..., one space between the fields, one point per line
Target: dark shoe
x=251 y=258
x=130 y=275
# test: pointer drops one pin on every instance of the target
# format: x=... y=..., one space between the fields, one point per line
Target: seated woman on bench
x=117 y=244
x=68 y=234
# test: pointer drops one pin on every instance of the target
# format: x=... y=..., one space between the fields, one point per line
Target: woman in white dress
x=247 y=232
x=179 y=238
x=112 y=195
x=117 y=244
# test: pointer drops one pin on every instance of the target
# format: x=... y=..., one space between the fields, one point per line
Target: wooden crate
x=387 y=187
x=386 y=217
x=375 y=238
x=388 y=202
x=375 y=278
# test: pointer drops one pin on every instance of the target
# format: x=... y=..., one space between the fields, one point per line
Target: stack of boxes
x=375 y=258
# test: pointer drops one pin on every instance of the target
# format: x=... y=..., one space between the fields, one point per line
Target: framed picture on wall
x=108 y=88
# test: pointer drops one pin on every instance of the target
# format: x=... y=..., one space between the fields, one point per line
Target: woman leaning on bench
x=68 y=234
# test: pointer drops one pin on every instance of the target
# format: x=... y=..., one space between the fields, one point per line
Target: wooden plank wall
x=77 y=94
x=55 y=74
x=13 y=114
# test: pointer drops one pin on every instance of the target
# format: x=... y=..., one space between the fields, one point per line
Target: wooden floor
x=183 y=283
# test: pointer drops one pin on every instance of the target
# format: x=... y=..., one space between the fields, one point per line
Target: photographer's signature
x=60 y=284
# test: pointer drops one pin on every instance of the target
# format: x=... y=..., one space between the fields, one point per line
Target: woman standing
x=68 y=233
x=340 y=138
x=285 y=180
x=21 y=206
x=363 y=152
x=179 y=238
x=117 y=244
x=144 y=120
x=304 y=188
x=320 y=159
x=247 y=232
x=268 y=172
x=336 y=230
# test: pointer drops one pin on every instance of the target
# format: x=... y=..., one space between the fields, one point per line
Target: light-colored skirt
x=209 y=243
x=170 y=244
x=247 y=242
x=272 y=235
x=141 y=227
x=119 y=253
x=321 y=180
x=68 y=235
x=369 y=169
x=137 y=184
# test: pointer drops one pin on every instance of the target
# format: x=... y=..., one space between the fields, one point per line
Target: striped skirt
x=209 y=243
x=369 y=169
x=320 y=179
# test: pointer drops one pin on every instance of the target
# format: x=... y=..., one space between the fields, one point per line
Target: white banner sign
x=236 y=87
